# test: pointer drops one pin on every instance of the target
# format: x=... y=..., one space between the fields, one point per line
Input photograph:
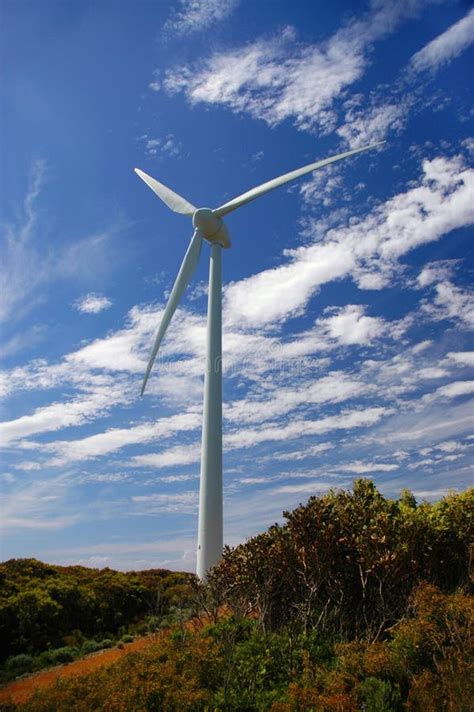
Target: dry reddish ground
x=20 y=690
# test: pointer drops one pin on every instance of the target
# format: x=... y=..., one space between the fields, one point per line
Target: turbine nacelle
x=211 y=226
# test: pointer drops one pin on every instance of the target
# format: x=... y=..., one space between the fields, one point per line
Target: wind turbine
x=208 y=225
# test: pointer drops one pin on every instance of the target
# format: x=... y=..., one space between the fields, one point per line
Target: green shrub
x=379 y=696
x=106 y=643
x=153 y=623
x=19 y=664
x=90 y=646
x=75 y=639
x=127 y=638
x=63 y=655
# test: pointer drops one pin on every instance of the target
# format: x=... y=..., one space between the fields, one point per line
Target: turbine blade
x=188 y=265
x=276 y=182
x=173 y=200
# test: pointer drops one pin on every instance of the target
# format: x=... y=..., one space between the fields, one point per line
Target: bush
x=90 y=646
x=378 y=696
x=75 y=639
x=106 y=643
x=19 y=664
x=153 y=624
x=345 y=562
x=60 y=655
x=127 y=638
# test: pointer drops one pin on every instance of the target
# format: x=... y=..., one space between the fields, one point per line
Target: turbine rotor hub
x=211 y=226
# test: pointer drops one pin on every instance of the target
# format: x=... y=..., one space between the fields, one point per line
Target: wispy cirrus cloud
x=462 y=358
x=454 y=390
x=446 y=46
x=92 y=303
x=160 y=502
x=336 y=387
x=368 y=250
x=280 y=78
x=39 y=505
x=155 y=146
x=363 y=126
x=23 y=268
x=196 y=15
x=449 y=301
x=115 y=439
x=350 y=325
x=60 y=415
x=31 y=261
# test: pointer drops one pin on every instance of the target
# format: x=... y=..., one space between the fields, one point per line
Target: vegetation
x=357 y=602
x=346 y=563
x=54 y=614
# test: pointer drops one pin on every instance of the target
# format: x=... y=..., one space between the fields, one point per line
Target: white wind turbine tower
x=208 y=225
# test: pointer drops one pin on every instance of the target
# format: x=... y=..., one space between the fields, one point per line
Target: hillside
x=53 y=614
x=356 y=602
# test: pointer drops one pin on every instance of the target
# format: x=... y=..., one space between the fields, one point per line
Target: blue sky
x=347 y=311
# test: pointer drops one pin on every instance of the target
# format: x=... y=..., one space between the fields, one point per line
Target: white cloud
x=336 y=387
x=253 y=480
x=115 y=439
x=324 y=187
x=28 y=466
x=30 y=260
x=168 y=145
x=178 y=455
x=365 y=126
x=22 y=268
x=432 y=372
x=463 y=358
x=446 y=46
x=297 y=428
x=122 y=351
x=440 y=270
x=368 y=249
x=22 y=340
x=348 y=325
x=314 y=487
x=196 y=15
x=272 y=82
x=92 y=303
x=433 y=494
x=282 y=79
x=433 y=423
x=62 y=415
x=301 y=454
x=451 y=446
x=362 y=468
x=32 y=506
x=451 y=302
x=455 y=389
x=422 y=346
x=246 y=438
x=154 y=503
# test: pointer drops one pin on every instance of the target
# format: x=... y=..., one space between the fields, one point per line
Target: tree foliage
x=43 y=606
x=347 y=562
